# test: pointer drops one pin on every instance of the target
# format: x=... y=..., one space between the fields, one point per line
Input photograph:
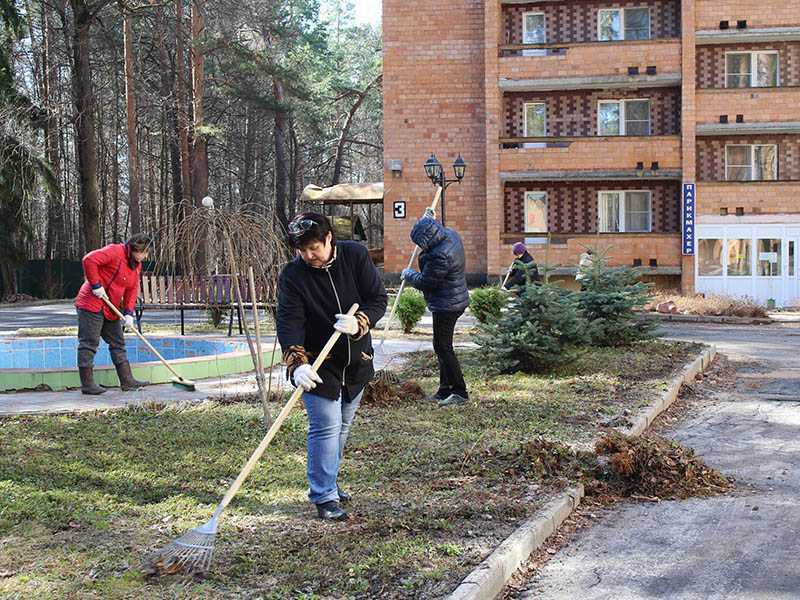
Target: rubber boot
x=126 y=380
x=88 y=386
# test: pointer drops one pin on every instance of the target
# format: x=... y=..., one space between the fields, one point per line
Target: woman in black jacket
x=518 y=273
x=315 y=291
x=441 y=279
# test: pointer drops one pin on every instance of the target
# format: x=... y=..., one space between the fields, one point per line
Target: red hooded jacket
x=108 y=267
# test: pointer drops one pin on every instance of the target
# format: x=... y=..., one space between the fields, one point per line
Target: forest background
x=118 y=117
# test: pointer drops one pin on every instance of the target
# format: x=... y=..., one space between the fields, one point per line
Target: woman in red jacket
x=111 y=272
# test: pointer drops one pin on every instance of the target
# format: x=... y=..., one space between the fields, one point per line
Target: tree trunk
x=248 y=161
x=166 y=83
x=199 y=148
x=55 y=245
x=134 y=178
x=183 y=121
x=344 y=134
x=85 y=125
x=281 y=159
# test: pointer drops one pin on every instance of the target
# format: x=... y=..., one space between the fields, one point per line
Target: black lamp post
x=435 y=172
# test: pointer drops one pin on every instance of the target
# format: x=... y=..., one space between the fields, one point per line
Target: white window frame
x=525 y=16
x=622 y=119
x=752 y=161
x=622 y=22
x=754 y=72
x=525 y=210
x=525 y=118
x=621 y=215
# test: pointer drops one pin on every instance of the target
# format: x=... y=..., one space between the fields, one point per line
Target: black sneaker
x=344 y=497
x=331 y=511
x=452 y=400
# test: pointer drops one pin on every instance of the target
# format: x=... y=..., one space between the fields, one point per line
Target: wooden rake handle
x=276 y=425
x=414 y=255
x=508 y=274
x=144 y=339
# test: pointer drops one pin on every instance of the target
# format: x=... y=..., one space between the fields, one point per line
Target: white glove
x=347 y=324
x=429 y=214
x=128 y=321
x=100 y=292
x=306 y=377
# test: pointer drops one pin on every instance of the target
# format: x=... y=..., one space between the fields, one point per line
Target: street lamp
x=435 y=172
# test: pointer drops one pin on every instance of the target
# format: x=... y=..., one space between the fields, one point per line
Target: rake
x=414 y=255
x=508 y=274
x=179 y=380
x=192 y=552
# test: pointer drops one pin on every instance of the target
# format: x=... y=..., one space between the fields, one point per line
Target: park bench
x=211 y=292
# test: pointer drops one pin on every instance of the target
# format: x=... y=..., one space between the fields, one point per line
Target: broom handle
x=144 y=339
x=414 y=255
x=248 y=467
x=508 y=274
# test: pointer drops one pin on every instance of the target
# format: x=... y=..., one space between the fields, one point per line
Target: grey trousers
x=93 y=326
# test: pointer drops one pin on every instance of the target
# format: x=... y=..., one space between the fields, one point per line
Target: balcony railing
x=754 y=104
x=592 y=153
x=590 y=59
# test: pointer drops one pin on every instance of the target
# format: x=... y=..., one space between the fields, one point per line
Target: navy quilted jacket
x=441 y=265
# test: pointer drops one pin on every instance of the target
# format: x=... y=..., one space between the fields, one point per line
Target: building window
x=623 y=117
x=535 y=212
x=751 y=162
x=533 y=29
x=624 y=212
x=791 y=259
x=709 y=257
x=739 y=258
x=535 y=125
x=614 y=24
x=751 y=69
x=769 y=258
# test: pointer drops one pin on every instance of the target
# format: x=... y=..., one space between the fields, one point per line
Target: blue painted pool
x=61 y=353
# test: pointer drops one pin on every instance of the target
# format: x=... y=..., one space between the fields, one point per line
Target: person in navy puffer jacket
x=442 y=282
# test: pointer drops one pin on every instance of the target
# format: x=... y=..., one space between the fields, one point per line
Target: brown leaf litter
x=385 y=389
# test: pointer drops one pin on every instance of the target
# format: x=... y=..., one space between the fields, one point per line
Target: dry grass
x=712 y=305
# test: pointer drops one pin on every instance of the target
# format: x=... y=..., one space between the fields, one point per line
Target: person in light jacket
x=585 y=264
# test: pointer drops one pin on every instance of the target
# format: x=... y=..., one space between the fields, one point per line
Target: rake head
x=190 y=553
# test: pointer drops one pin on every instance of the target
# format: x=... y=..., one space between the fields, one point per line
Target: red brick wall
x=711 y=155
x=569 y=22
x=574 y=113
x=711 y=62
x=434 y=101
x=572 y=206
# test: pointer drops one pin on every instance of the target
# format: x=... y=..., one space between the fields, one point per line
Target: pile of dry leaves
x=385 y=389
x=652 y=467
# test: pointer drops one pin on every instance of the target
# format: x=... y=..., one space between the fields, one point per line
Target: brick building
x=581 y=121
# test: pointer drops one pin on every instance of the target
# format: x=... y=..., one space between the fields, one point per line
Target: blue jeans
x=329 y=424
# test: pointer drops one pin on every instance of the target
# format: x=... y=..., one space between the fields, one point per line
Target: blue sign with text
x=688 y=218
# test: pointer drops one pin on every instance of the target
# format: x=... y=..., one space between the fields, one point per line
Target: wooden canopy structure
x=351 y=195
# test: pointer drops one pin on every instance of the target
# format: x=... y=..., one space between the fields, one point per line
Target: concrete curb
x=490 y=577
x=709 y=319
x=644 y=420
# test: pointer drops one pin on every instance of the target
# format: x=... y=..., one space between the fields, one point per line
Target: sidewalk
x=31 y=402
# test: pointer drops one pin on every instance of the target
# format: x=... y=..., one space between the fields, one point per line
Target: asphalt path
x=742 y=545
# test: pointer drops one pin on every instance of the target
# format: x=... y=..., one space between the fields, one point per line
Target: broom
x=192 y=552
x=410 y=264
x=178 y=381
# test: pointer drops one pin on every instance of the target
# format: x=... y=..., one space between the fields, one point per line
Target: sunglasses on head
x=300 y=226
